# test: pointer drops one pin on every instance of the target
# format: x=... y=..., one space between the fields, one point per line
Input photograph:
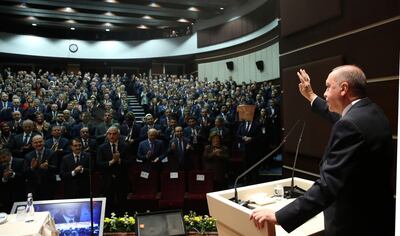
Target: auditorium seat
x=172 y=190
x=144 y=192
x=200 y=183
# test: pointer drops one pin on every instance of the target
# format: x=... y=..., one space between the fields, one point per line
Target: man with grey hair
x=151 y=151
x=20 y=144
x=113 y=162
x=359 y=157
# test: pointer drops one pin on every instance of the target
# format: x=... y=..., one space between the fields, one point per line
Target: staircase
x=135 y=107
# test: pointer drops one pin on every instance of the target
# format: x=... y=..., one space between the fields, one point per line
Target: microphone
x=294 y=191
x=259 y=162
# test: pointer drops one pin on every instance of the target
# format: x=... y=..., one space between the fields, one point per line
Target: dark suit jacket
x=16 y=143
x=179 y=159
x=117 y=172
x=40 y=181
x=144 y=147
x=354 y=189
x=75 y=186
x=14 y=189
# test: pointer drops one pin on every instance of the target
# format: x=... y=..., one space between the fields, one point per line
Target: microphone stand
x=91 y=196
x=260 y=161
x=295 y=191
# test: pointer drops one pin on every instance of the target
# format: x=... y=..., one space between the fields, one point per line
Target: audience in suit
x=113 y=161
x=40 y=169
x=180 y=152
x=151 y=151
x=74 y=171
x=12 y=185
x=20 y=144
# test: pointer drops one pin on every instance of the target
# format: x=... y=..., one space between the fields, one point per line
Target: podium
x=233 y=219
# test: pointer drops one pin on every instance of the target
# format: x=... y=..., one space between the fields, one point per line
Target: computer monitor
x=72 y=216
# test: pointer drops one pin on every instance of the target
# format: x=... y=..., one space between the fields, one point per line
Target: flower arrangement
x=119 y=224
x=200 y=224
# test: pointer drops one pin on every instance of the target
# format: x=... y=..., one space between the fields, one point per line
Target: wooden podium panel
x=233 y=219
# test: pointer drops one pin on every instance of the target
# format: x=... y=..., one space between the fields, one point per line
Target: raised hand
x=305 y=85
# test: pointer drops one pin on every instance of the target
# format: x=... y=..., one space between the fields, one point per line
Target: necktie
x=113 y=148
x=26 y=139
x=85 y=143
x=77 y=160
x=39 y=156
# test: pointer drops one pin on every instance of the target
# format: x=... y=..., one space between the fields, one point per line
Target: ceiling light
x=221 y=8
x=147 y=17
x=153 y=4
x=31 y=18
x=193 y=9
x=108 y=24
x=109 y=13
x=34 y=24
x=108 y=30
x=182 y=20
x=70 y=21
x=67 y=9
x=233 y=18
x=72 y=28
x=22 y=5
x=142 y=27
x=111 y=1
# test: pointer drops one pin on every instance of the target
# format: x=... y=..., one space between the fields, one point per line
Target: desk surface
x=42 y=224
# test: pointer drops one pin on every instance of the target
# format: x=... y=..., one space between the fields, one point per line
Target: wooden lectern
x=233 y=219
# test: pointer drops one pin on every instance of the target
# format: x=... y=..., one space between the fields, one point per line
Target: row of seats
x=170 y=190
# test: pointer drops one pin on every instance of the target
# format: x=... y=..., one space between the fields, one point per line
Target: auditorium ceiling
x=110 y=19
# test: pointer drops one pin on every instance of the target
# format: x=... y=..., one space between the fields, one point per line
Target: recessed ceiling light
x=182 y=20
x=22 y=5
x=221 y=8
x=153 y=4
x=109 y=13
x=193 y=9
x=142 y=27
x=147 y=17
x=108 y=24
x=108 y=30
x=111 y=1
x=31 y=18
x=70 y=21
x=72 y=28
x=67 y=9
x=34 y=24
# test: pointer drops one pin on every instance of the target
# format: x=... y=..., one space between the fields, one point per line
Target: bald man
x=151 y=151
x=355 y=186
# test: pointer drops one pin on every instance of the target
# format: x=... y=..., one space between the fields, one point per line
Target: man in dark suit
x=40 y=169
x=16 y=123
x=113 y=162
x=20 y=144
x=151 y=151
x=57 y=144
x=74 y=171
x=179 y=152
x=358 y=158
x=12 y=183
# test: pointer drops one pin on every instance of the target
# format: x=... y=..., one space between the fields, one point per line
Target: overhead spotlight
x=111 y=1
x=153 y=4
x=109 y=13
x=147 y=17
x=34 y=24
x=31 y=18
x=67 y=9
x=221 y=8
x=22 y=5
x=193 y=9
x=108 y=24
x=108 y=30
x=72 y=28
x=182 y=20
x=70 y=21
x=142 y=27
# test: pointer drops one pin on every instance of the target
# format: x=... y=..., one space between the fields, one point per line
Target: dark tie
x=181 y=150
x=85 y=144
x=26 y=139
x=77 y=160
x=39 y=156
x=113 y=148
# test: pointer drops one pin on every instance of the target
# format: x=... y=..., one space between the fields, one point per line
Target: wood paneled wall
x=319 y=37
